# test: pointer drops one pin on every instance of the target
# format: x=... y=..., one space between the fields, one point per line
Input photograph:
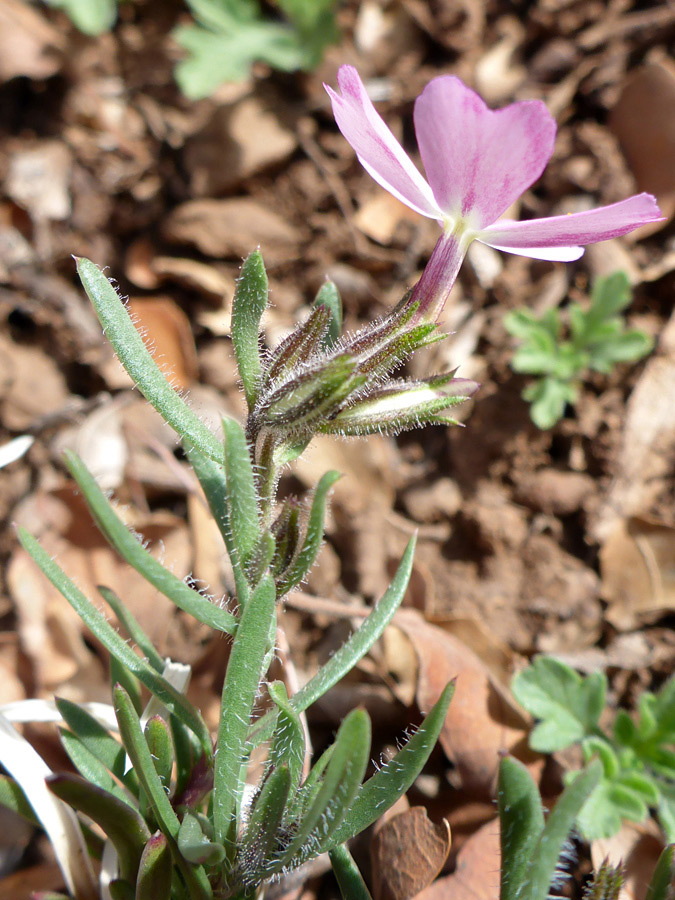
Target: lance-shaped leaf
x=12 y=797
x=214 y=484
x=304 y=341
x=241 y=492
x=130 y=624
x=328 y=297
x=160 y=745
x=91 y=768
x=303 y=799
x=117 y=647
x=93 y=736
x=288 y=743
x=130 y=548
x=155 y=870
x=401 y=405
x=546 y=852
x=120 y=822
x=353 y=650
x=248 y=305
x=313 y=537
x=261 y=838
x=242 y=682
x=384 y=788
x=137 y=360
x=59 y=821
x=521 y=818
x=338 y=788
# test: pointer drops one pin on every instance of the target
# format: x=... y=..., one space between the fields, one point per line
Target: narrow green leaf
x=137 y=360
x=130 y=624
x=120 y=674
x=384 y=788
x=129 y=547
x=122 y=824
x=662 y=881
x=116 y=645
x=249 y=303
x=546 y=852
x=521 y=818
x=347 y=874
x=12 y=797
x=261 y=838
x=160 y=745
x=288 y=743
x=339 y=786
x=313 y=536
x=91 y=768
x=141 y=759
x=93 y=736
x=360 y=642
x=241 y=492
x=213 y=481
x=155 y=870
x=242 y=682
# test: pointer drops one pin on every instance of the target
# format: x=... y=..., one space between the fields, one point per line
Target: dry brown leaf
x=476 y=876
x=407 y=853
x=634 y=848
x=483 y=721
x=38 y=179
x=167 y=334
x=231 y=228
x=31 y=385
x=644 y=122
x=638 y=572
x=29 y=45
x=644 y=465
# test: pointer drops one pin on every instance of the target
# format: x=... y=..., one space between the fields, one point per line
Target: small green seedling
x=637 y=756
x=598 y=340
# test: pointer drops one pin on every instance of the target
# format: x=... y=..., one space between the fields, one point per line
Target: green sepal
x=242 y=682
x=122 y=824
x=241 y=492
x=130 y=549
x=137 y=360
x=160 y=745
x=384 y=788
x=606 y=883
x=130 y=624
x=662 y=882
x=521 y=818
x=301 y=344
x=286 y=531
x=262 y=557
x=546 y=852
x=339 y=786
x=288 y=742
x=249 y=304
x=329 y=298
x=196 y=846
x=313 y=536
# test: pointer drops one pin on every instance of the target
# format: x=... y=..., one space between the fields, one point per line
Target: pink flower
x=478 y=162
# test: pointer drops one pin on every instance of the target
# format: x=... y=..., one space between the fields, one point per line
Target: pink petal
x=564 y=232
x=378 y=151
x=478 y=160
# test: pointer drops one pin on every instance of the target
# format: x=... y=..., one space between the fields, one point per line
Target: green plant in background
x=230 y=35
x=638 y=757
x=598 y=340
